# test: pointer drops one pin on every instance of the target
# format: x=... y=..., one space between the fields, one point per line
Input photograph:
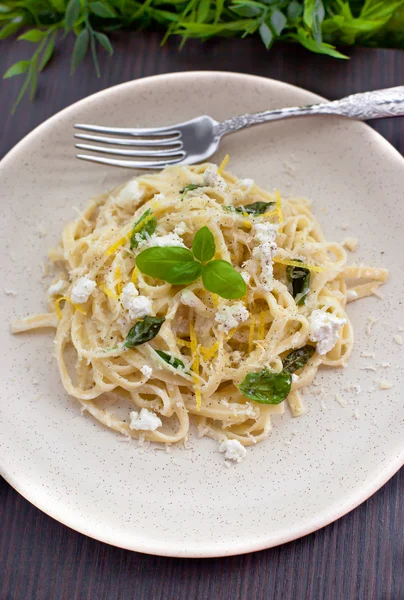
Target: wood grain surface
x=359 y=557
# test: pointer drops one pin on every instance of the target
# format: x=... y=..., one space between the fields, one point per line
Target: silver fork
x=196 y=140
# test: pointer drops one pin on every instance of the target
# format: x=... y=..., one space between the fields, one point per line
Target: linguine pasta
x=207 y=345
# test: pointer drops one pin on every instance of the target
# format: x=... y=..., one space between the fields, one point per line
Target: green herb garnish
x=144 y=231
x=266 y=387
x=254 y=209
x=315 y=24
x=143 y=331
x=299 y=282
x=298 y=358
x=189 y=188
x=203 y=246
x=179 y=266
x=176 y=363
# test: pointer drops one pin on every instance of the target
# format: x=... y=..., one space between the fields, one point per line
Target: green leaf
x=202 y=10
x=143 y=331
x=298 y=358
x=144 y=231
x=294 y=11
x=73 y=11
x=104 y=41
x=299 y=282
x=102 y=10
x=17 y=68
x=220 y=277
x=34 y=82
x=156 y=262
x=184 y=273
x=22 y=91
x=47 y=55
x=11 y=28
x=80 y=49
x=203 y=246
x=266 y=387
x=313 y=16
x=175 y=363
x=266 y=35
x=255 y=209
x=218 y=9
x=33 y=35
x=58 y=5
x=314 y=46
x=278 y=21
x=246 y=10
x=189 y=188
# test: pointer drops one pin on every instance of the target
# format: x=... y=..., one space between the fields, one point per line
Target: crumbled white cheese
x=128 y=194
x=159 y=197
x=146 y=371
x=229 y=316
x=233 y=450
x=385 y=385
x=211 y=178
x=170 y=239
x=265 y=232
x=138 y=306
x=350 y=243
x=247 y=183
x=188 y=298
x=246 y=276
x=146 y=420
x=180 y=228
x=265 y=254
x=368 y=355
x=82 y=290
x=340 y=400
x=57 y=287
x=398 y=339
x=351 y=295
x=324 y=329
x=295 y=378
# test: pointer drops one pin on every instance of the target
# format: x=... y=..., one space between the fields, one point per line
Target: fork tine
x=128 y=131
x=129 y=164
x=125 y=142
x=117 y=151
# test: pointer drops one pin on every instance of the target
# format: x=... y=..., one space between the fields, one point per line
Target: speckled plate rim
x=207 y=551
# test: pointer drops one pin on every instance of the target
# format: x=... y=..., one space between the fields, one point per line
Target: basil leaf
x=145 y=231
x=298 y=358
x=176 y=363
x=189 y=188
x=184 y=273
x=299 y=279
x=156 y=262
x=255 y=209
x=266 y=387
x=203 y=246
x=221 y=278
x=143 y=331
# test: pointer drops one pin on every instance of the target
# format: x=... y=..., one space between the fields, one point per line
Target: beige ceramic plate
x=312 y=469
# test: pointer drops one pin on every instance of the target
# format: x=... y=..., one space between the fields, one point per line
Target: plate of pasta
x=204 y=360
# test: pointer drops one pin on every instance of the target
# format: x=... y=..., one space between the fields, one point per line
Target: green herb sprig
x=318 y=25
x=180 y=266
x=273 y=388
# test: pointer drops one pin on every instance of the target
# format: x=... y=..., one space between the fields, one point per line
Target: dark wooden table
x=361 y=556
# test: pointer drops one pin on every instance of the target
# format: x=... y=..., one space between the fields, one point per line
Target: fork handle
x=368 y=105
